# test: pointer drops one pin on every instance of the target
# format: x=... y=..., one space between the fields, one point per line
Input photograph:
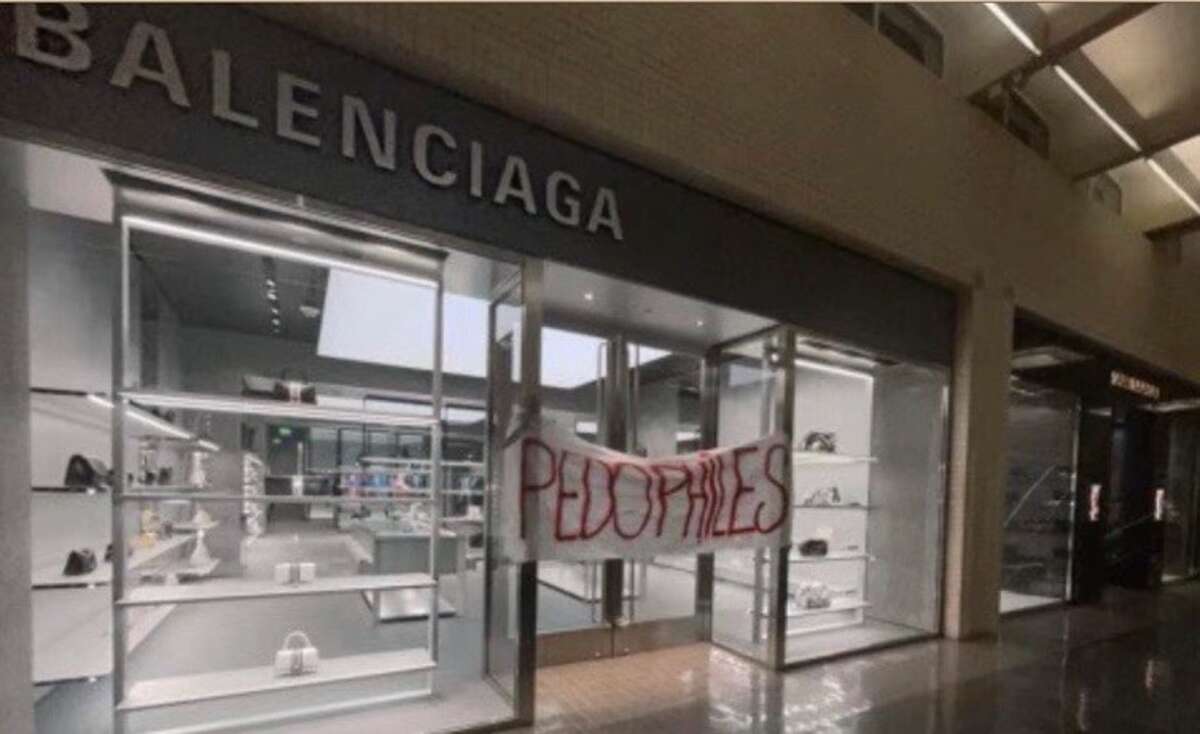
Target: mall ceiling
x=1137 y=64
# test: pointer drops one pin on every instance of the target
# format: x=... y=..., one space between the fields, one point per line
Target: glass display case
x=317 y=523
x=869 y=491
x=864 y=565
x=1039 y=500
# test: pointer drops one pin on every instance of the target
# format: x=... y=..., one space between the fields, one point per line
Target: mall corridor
x=1129 y=665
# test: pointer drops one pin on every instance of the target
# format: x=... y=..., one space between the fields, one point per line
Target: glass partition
x=1182 y=505
x=290 y=455
x=665 y=407
x=869 y=491
x=1039 y=500
x=747 y=382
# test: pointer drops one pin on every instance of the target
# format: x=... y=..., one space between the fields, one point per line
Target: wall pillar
x=16 y=688
x=978 y=461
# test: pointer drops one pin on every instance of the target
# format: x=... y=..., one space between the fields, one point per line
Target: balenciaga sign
x=293 y=111
x=221 y=93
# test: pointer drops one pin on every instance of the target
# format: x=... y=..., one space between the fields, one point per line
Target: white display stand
x=839 y=401
x=72 y=636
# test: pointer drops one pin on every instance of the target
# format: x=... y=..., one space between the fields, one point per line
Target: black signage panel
x=218 y=89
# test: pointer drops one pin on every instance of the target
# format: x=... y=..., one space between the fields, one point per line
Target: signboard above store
x=294 y=108
x=222 y=94
x=1135 y=385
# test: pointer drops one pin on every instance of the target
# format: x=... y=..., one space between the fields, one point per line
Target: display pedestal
x=405 y=605
x=385 y=550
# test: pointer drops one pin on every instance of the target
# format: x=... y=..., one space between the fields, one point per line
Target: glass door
x=1039 y=500
x=640 y=400
x=510 y=590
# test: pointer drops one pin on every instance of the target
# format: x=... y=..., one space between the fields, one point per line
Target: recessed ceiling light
x=699 y=322
x=310 y=311
x=589 y=296
x=272 y=296
x=270 y=282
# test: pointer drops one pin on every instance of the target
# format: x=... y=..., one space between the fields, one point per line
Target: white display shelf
x=812 y=629
x=838 y=605
x=142 y=622
x=238 y=589
x=76 y=489
x=83 y=652
x=802 y=457
x=189 y=570
x=86 y=651
x=248 y=681
x=142 y=556
x=276 y=409
x=192 y=527
x=843 y=506
x=834 y=557
x=52 y=577
x=274 y=499
x=173 y=491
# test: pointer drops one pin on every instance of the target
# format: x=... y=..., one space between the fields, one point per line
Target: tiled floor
x=1130 y=665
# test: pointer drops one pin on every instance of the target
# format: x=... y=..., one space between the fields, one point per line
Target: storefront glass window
x=1039 y=498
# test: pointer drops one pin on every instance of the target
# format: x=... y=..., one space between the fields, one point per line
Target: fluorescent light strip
x=1016 y=30
x=1170 y=181
x=151 y=421
x=256 y=247
x=1091 y=102
x=842 y=371
x=219 y=404
x=204 y=443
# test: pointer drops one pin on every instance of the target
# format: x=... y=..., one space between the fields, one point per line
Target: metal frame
x=126 y=215
x=778 y=412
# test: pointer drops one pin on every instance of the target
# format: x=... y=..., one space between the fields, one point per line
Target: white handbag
x=295 y=573
x=297 y=656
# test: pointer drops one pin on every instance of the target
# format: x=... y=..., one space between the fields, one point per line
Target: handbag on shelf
x=812 y=595
x=295 y=573
x=292 y=390
x=287 y=387
x=80 y=563
x=824 y=442
x=815 y=547
x=87 y=471
x=824 y=497
x=297 y=656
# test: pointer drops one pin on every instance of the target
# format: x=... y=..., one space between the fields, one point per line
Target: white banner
x=567 y=499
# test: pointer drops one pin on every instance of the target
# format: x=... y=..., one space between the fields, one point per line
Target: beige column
x=978 y=460
x=16 y=687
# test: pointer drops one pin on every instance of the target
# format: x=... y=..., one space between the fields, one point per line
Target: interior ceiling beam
x=1173 y=231
x=1067 y=45
x=1150 y=149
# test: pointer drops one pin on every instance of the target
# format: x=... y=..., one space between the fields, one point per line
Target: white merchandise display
x=298 y=656
x=295 y=573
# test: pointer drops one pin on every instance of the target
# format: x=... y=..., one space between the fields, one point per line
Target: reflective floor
x=1129 y=665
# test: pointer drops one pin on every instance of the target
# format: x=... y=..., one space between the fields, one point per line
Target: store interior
x=277 y=408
